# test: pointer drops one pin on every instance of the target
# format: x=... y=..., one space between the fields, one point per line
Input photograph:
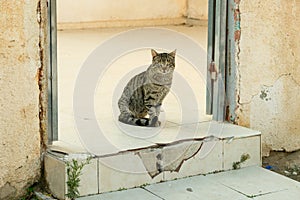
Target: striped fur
x=143 y=95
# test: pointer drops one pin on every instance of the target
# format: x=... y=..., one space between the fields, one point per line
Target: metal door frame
x=216 y=59
x=52 y=73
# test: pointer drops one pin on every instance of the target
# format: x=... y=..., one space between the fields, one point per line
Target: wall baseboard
x=129 y=23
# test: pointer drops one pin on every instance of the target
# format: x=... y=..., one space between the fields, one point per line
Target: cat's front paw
x=142 y=122
x=157 y=124
x=154 y=122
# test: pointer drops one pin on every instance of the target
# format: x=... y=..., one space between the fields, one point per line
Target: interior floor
x=183 y=110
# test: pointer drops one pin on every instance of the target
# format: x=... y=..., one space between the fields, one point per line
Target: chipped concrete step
x=153 y=164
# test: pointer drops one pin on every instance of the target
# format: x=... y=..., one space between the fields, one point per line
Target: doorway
x=83 y=27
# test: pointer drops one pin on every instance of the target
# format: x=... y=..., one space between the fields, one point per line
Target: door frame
x=221 y=67
x=52 y=73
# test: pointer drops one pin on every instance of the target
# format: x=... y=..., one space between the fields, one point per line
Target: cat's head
x=163 y=62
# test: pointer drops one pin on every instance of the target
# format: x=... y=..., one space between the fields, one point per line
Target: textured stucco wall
x=20 y=73
x=269 y=71
x=197 y=9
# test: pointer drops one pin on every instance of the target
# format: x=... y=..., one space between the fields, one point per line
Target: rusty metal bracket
x=213 y=71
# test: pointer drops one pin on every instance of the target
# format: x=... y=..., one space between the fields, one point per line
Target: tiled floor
x=115 y=141
x=102 y=134
x=248 y=183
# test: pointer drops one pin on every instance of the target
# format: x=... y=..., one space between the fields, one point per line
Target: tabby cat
x=143 y=95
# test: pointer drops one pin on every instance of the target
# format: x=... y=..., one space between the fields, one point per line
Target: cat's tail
x=129 y=119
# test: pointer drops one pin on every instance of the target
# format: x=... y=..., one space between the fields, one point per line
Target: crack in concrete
x=152 y=193
x=254 y=195
x=267 y=193
x=169 y=157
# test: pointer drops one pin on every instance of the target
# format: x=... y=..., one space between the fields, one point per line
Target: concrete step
x=248 y=183
x=209 y=148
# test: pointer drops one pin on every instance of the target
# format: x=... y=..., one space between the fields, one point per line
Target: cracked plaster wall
x=269 y=72
x=21 y=70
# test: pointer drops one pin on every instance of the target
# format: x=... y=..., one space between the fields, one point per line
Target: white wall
x=269 y=72
x=89 y=13
x=197 y=9
x=101 y=10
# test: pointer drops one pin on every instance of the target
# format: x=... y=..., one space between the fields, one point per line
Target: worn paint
x=269 y=73
x=42 y=72
x=237 y=23
x=20 y=139
x=232 y=73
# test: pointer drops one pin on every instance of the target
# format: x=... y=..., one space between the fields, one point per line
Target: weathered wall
x=197 y=9
x=117 y=12
x=98 y=10
x=107 y=13
x=269 y=71
x=20 y=72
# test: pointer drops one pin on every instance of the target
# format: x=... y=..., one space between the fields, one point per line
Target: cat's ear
x=173 y=53
x=154 y=53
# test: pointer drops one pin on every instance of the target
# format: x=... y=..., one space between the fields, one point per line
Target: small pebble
x=287 y=172
x=189 y=189
x=295 y=173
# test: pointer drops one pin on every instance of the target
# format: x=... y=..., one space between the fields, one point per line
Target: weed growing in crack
x=145 y=185
x=29 y=194
x=74 y=170
x=237 y=165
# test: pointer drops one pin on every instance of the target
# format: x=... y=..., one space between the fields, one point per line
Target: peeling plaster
x=268 y=60
x=23 y=24
x=263 y=93
x=237 y=38
x=280 y=130
x=41 y=73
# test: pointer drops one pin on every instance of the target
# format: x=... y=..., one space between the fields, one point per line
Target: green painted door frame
x=52 y=73
x=221 y=66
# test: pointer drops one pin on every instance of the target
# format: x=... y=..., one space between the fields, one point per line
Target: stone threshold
x=211 y=148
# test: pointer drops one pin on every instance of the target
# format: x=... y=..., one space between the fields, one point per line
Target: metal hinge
x=213 y=71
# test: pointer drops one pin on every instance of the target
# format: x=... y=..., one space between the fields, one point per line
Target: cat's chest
x=156 y=90
x=163 y=79
x=158 y=78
